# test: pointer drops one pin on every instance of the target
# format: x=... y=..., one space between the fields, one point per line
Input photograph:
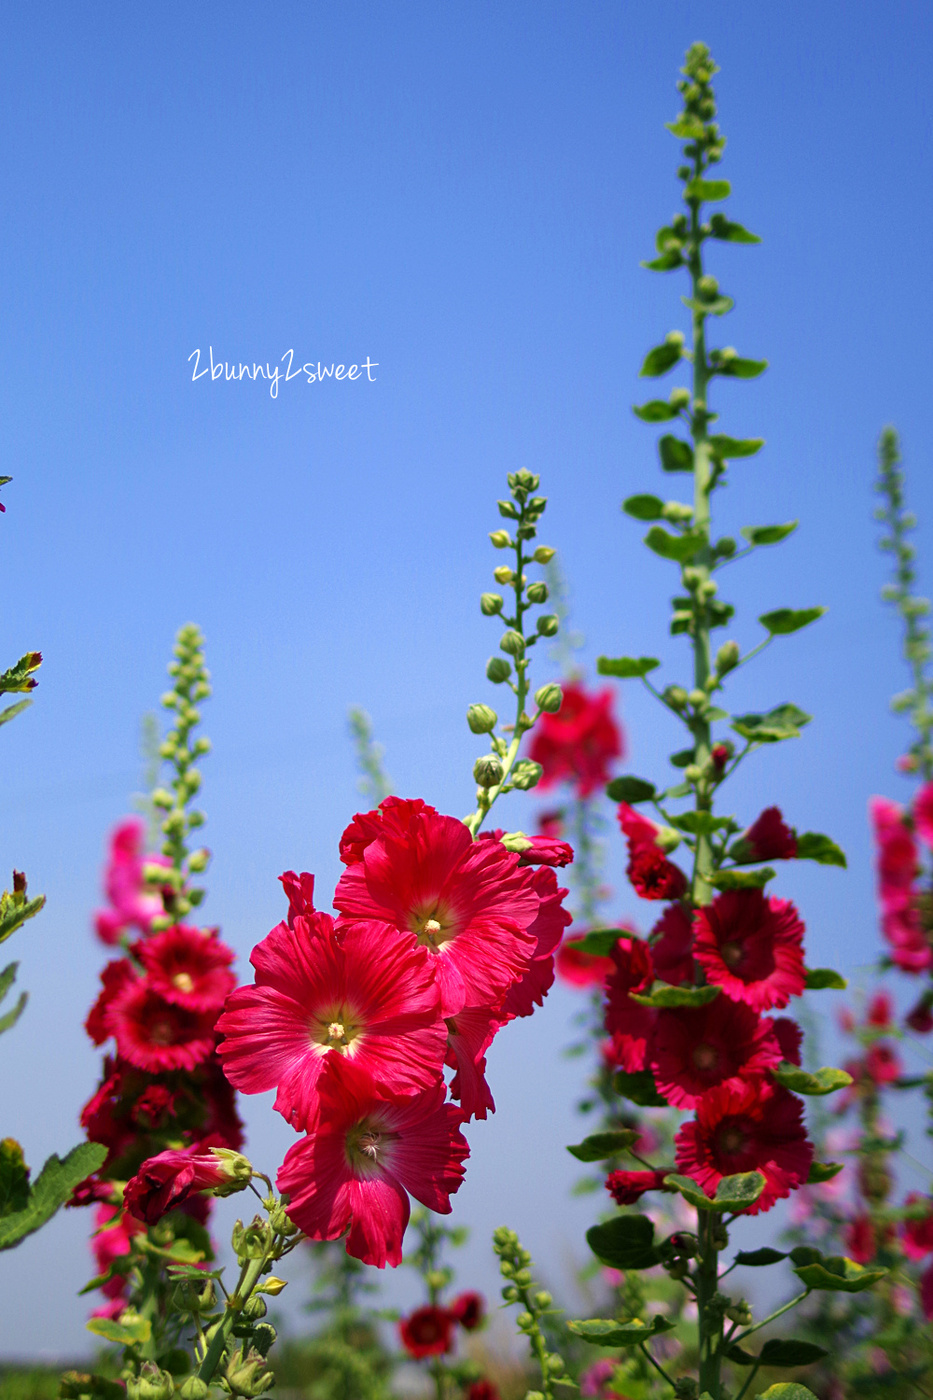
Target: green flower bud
x=152 y=1383
x=481 y=719
x=676 y=697
x=498 y=670
x=507 y=509
x=696 y=697
x=667 y=838
x=548 y=625
x=679 y=398
x=543 y=1299
x=677 y=513
x=537 y=592
x=252 y=1241
x=254 y=1308
x=510 y=1293
x=246 y=1374
x=500 y=539
x=543 y=554
x=490 y=604
x=282 y=1224
x=526 y=774
x=272 y=1285
x=198 y=860
x=549 y=698
x=515 y=841
x=191 y=1296
x=693 y=773
x=194 y=1389
x=674 y=338
x=487 y=771
x=555 y=1364
x=503 y=574
x=707 y=287
x=512 y=642
x=162 y=798
x=727 y=657
x=524 y=1322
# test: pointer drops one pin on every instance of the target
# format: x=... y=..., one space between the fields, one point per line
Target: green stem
x=751 y=1376
x=706 y=1278
x=765 y=1320
x=248 y=1279
x=657 y=1365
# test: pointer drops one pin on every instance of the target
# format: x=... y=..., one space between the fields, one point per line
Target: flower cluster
x=905 y=905
x=440 y=940
x=132 y=902
x=429 y=1331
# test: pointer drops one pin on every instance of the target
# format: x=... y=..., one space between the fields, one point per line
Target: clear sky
x=462 y=193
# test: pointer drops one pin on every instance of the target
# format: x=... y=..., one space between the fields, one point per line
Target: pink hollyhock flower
x=116 y=975
x=860 y=1239
x=469 y=1309
x=580 y=969
x=112 y=1241
x=693 y=1048
x=917 y=1233
x=880 y=1011
x=551 y=824
x=467 y=902
x=393 y=816
x=132 y=904
x=188 y=967
x=907 y=938
x=882 y=1063
x=768 y=838
x=544 y=850
x=547 y=930
x=168 y=1180
x=789 y=1038
x=672 y=946
x=328 y=1001
x=626 y=1188
x=469 y=1035
x=579 y=742
x=752 y=947
x=746 y=1127
x=897 y=853
x=627 y=1021
x=153 y=1034
x=652 y=875
x=427 y=1332
x=923 y=814
x=354 y=1173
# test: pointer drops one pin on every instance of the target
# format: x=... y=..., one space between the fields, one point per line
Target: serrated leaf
x=15 y=909
x=598 y=1146
x=625 y=1242
x=783 y=621
x=676 y=455
x=813 y=845
x=655 y=411
x=662 y=358
x=823 y=1171
x=768 y=534
x=783 y=722
x=599 y=942
x=626 y=667
x=800 y=1081
x=727 y=447
x=620 y=1334
x=629 y=789
x=12 y=711
x=680 y=548
x=639 y=1087
x=786 y=1390
x=835 y=1274
x=759 y=1258
x=14 y=1177
x=126 y=1335
x=663 y=996
x=821 y=979
x=644 y=507
x=700 y=823
x=733 y=1194
x=729 y=232
x=51 y=1188
x=19 y=677
x=708 y=190
x=741 y=879
x=739 y=368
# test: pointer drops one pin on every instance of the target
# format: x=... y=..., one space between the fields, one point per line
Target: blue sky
x=461 y=193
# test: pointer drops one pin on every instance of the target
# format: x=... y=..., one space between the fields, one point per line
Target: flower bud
x=282 y=1224
x=198 y=860
x=543 y=1299
x=524 y=1322
x=503 y=574
x=707 y=287
x=548 y=625
x=194 y=1389
x=510 y=1293
x=679 y=398
x=252 y=1241
x=549 y=698
x=516 y=841
x=487 y=771
x=543 y=554
x=481 y=719
x=677 y=512
x=555 y=1364
x=696 y=697
x=674 y=338
x=727 y=657
x=507 y=510
x=512 y=642
x=498 y=670
x=152 y=1383
x=254 y=1308
x=526 y=774
x=490 y=604
x=537 y=592
x=667 y=838
x=246 y=1374
x=500 y=539
x=192 y=1296
x=740 y=1312
x=676 y=697
x=272 y=1285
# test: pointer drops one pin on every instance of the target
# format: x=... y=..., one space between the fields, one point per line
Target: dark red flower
x=188 y=966
x=581 y=969
x=880 y=1011
x=907 y=938
x=752 y=947
x=626 y=1188
x=926 y=1292
x=427 y=1332
x=168 y=1180
x=482 y=1389
x=579 y=742
x=860 y=1239
x=154 y=1034
x=920 y=1018
x=789 y=1038
x=627 y=1021
x=115 y=976
x=672 y=946
x=768 y=838
x=917 y=1233
x=923 y=814
x=470 y=1310
x=721 y=753
x=652 y=875
x=693 y=1048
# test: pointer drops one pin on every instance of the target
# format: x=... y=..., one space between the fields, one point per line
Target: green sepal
x=783 y=621
x=51 y=1188
x=663 y=995
x=676 y=455
x=832 y=1273
x=680 y=548
x=800 y=1081
x=741 y=879
x=620 y=1334
x=786 y=1390
x=823 y=1171
x=783 y=722
x=733 y=1194
x=768 y=534
x=662 y=358
x=665 y=263
x=14 y=1178
x=598 y=1146
x=728 y=232
x=626 y=667
x=19 y=677
x=717 y=306
x=655 y=411
x=686 y=128
x=821 y=979
x=702 y=823
x=759 y=1258
x=813 y=845
x=639 y=1087
x=599 y=942
x=725 y=447
x=125 y=1334
x=708 y=190
x=629 y=789
x=12 y=711
x=739 y=368
x=625 y=1242
x=644 y=507
x=778 y=1352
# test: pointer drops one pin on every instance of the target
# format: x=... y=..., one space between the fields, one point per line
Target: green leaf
x=812 y=845
x=823 y=1171
x=620 y=1334
x=51 y=1188
x=682 y=757
x=768 y=534
x=726 y=447
x=832 y=1273
x=700 y=823
x=625 y=1242
x=677 y=547
x=789 y=1352
x=783 y=722
x=601 y=941
x=628 y=789
x=742 y=879
x=626 y=667
x=639 y=1087
x=662 y=358
x=598 y=1146
x=15 y=908
x=12 y=711
x=734 y=1193
x=737 y=368
x=786 y=1390
x=644 y=507
x=676 y=455
x=20 y=677
x=686 y=127
x=665 y=263
x=663 y=995
x=127 y=1335
x=10 y=1019
x=758 y=1258
x=715 y=306
x=655 y=411
x=821 y=979
x=708 y=190
x=14 y=1177
x=783 y=621
x=800 y=1081
x=728 y=232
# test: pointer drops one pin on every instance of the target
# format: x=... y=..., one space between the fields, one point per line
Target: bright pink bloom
x=354 y=1172
x=547 y=930
x=116 y=975
x=860 y=1239
x=693 y=1048
x=168 y=1180
x=752 y=947
x=153 y=1034
x=580 y=969
x=132 y=903
x=109 y=1244
x=551 y=824
x=300 y=892
x=923 y=814
x=327 y=1002
x=745 y=1127
x=466 y=901
x=545 y=850
x=672 y=946
x=469 y=1035
x=640 y=832
x=768 y=838
x=626 y=1188
x=917 y=1234
x=907 y=938
x=470 y=1310
x=627 y=1021
x=427 y=1332
x=392 y=817
x=897 y=853
x=882 y=1063
x=188 y=966
x=880 y=1011
x=652 y=875
x=579 y=742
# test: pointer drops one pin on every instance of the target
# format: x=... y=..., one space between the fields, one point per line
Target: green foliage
x=733 y=1194
x=722 y=228
x=825 y=978
x=16 y=908
x=726 y=447
x=759 y=1258
x=735 y=367
x=125 y=1334
x=783 y=621
x=626 y=667
x=620 y=1334
x=630 y=789
x=823 y=1171
x=678 y=547
x=768 y=534
x=779 y=1352
x=14 y=1178
x=644 y=507
x=801 y=1081
x=663 y=995
x=598 y=1146
x=786 y=1390
x=625 y=1242
x=813 y=845
x=832 y=1273
x=663 y=357
x=676 y=455
x=783 y=722
x=51 y=1189
x=639 y=1087
x=7 y=978
x=741 y=879
x=655 y=411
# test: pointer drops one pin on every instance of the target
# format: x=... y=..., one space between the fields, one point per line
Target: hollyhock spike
x=427 y=1331
x=628 y=1023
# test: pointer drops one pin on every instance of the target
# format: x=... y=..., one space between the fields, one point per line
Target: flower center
x=183 y=981
x=369 y=1145
x=732 y=1141
x=162 y=1033
x=336 y=1033
x=705 y=1057
x=731 y=954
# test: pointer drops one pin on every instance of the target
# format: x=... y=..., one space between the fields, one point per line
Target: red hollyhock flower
x=627 y=1021
x=579 y=742
x=547 y=930
x=482 y=1389
x=470 y=1310
x=112 y=1240
x=326 y=998
x=897 y=863
x=882 y=1063
x=860 y=1239
x=393 y=816
x=907 y=938
x=579 y=969
x=752 y=947
x=469 y=1035
x=789 y=1038
x=132 y=904
x=188 y=967
x=153 y=1034
x=917 y=1234
x=880 y=1011
x=168 y=1180
x=467 y=902
x=747 y=1127
x=693 y=1048
x=672 y=946
x=355 y=1171
x=923 y=814
x=116 y=975
x=300 y=892
x=652 y=875
x=768 y=838
x=626 y=1188
x=427 y=1332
